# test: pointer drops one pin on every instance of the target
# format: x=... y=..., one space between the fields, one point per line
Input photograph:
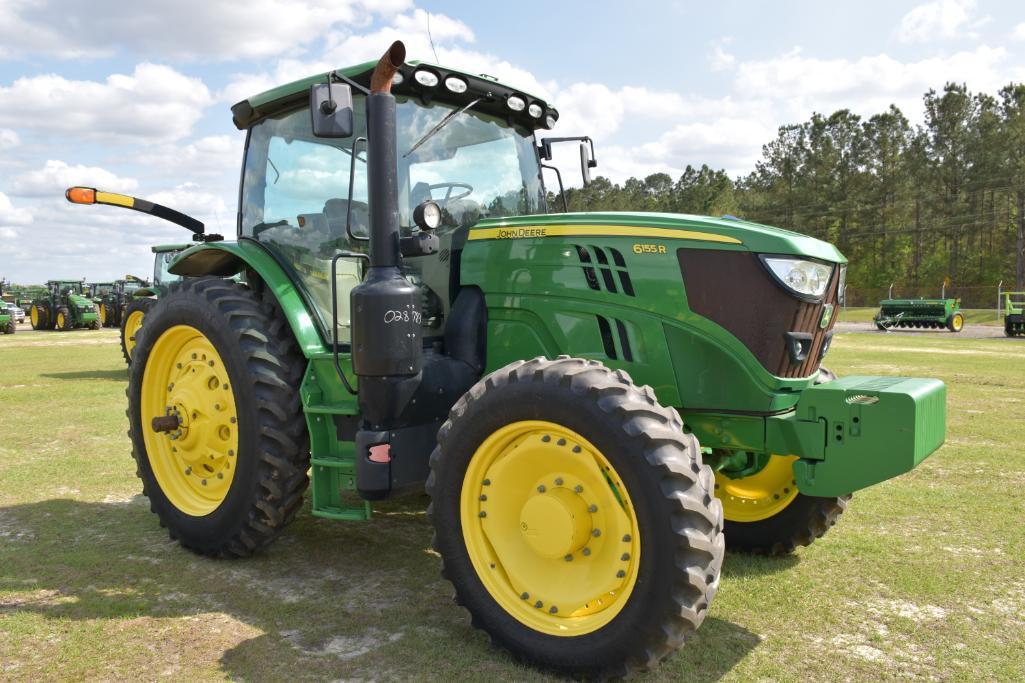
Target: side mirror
x=331 y=110
x=586 y=163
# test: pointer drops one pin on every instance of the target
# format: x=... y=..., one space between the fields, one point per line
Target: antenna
x=431 y=38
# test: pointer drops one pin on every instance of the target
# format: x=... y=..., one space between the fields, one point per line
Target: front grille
x=734 y=290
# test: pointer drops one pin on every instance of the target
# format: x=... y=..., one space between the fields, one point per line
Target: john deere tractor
x=65 y=305
x=586 y=397
x=113 y=297
x=142 y=297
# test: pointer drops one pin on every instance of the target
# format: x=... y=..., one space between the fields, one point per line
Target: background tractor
x=113 y=298
x=590 y=400
x=8 y=325
x=1014 y=313
x=142 y=297
x=65 y=305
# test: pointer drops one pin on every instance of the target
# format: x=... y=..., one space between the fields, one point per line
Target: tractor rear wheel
x=228 y=473
x=955 y=323
x=575 y=517
x=40 y=317
x=63 y=320
x=131 y=323
x=766 y=514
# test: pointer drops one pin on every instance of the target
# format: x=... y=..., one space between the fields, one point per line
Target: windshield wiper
x=441 y=124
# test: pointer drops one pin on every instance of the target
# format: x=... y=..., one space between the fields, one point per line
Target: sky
x=136 y=97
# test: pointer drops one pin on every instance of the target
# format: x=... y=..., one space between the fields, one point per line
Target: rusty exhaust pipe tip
x=167 y=423
x=384 y=72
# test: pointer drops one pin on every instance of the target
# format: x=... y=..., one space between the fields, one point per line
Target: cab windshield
x=160 y=264
x=296 y=188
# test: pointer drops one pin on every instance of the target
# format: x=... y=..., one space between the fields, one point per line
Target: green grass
x=921 y=578
x=972 y=316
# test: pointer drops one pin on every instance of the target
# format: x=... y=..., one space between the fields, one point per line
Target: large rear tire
x=230 y=476
x=131 y=323
x=40 y=317
x=765 y=513
x=575 y=517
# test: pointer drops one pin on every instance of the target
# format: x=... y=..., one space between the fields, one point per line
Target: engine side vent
x=609 y=269
x=609 y=339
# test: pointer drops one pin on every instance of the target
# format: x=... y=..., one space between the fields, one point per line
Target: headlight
x=804 y=278
x=535 y=111
x=426 y=78
x=516 y=103
x=456 y=85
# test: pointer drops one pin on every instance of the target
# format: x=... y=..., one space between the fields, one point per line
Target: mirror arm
x=343 y=77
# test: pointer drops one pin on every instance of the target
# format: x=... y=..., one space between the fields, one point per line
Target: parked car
x=17 y=312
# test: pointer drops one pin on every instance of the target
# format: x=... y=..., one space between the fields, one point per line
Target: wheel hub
x=555 y=523
x=757 y=494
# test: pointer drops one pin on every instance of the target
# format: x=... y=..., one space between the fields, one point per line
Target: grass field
x=972 y=316
x=923 y=576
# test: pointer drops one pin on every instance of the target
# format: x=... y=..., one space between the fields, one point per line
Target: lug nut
x=538 y=604
x=204 y=482
x=553 y=609
x=626 y=538
x=625 y=557
x=576 y=449
x=620 y=574
x=487 y=482
x=568 y=558
x=482 y=514
x=220 y=475
x=596 y=533
x=586 y=551
x=578 y=488
x=558 y=481
x=592 y=509
x=524 y=596
x=541 y=488
x=210 y=363
x=188 y=470
x=546 y=438
x=483 y=497
x=561 y=442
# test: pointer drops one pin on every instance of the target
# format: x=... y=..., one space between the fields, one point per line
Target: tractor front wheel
x=63 y=320
x=131 y=323
x=10 y=327
x=766 y=514
x=215 y=417
x=955 y=323
x=575 y=518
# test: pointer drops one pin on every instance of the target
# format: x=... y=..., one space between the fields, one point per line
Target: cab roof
x=254 y=109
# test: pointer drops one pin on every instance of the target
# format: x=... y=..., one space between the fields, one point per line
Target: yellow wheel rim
x=132 y=326
x=103 y=314
x=34 y=315
x=761 y=495
x=958 y=322
x=194 y=464
x=549 y=528
x=60 y=320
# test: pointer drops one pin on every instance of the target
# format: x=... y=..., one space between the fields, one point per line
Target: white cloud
x=9 y=215
x=867 y=84
x=8 y=139
x=1019 y=32
x=155 y=103
x=938 y=19
x=56 y=176
x=720 y=59
x=184 y=29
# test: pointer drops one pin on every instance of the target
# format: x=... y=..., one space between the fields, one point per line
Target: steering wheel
x=452 y=186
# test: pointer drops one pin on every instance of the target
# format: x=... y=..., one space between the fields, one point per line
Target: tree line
x=912 y=204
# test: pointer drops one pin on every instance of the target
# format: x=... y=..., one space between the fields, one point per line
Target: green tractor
x=65 y=305
x=598 y=404
x=143 y=297
x=1014 y=313
x=113 y=298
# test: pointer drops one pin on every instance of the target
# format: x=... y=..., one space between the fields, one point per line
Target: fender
x=224 y=259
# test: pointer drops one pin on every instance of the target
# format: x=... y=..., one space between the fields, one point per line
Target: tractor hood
x=755 y=237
